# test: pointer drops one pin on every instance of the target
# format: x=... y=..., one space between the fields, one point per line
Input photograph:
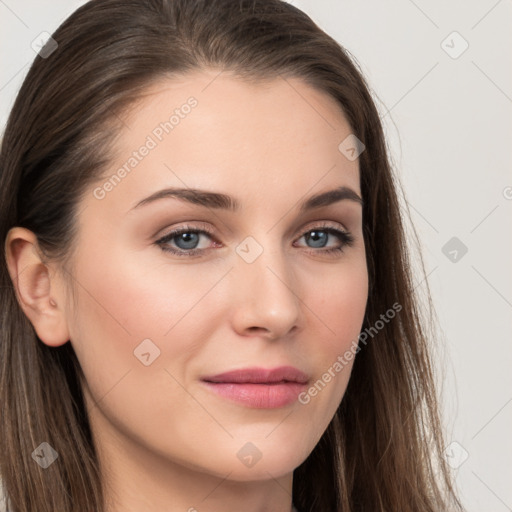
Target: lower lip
x=259 y=396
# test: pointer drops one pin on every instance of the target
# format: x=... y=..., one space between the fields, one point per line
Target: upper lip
x=260 y=375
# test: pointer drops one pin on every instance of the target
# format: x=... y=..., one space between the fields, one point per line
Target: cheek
x=124 y=301
x=338 y=300
x=338 y=307
x=122 y=304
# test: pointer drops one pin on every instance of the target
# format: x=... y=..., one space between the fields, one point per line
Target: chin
x=261 y=460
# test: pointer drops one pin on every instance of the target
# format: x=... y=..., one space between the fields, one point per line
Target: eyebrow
x=225 y=202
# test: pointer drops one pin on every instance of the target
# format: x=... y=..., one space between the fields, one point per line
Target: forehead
x=211 y=130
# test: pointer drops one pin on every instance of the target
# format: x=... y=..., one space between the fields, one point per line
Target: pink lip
x=259 y=388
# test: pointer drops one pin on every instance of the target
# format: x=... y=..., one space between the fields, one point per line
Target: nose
x=265 y=300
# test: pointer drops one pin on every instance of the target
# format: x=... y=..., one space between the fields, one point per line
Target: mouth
x=259 y=388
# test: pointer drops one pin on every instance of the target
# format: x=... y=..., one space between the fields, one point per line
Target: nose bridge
x=267 y=294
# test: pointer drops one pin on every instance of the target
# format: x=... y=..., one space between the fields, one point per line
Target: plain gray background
x=447 y=114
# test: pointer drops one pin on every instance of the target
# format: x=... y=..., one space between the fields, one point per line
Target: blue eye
x=319 y=236
x=187 y=238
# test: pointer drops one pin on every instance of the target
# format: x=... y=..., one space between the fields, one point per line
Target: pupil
x=189 y=240
x=318 y=236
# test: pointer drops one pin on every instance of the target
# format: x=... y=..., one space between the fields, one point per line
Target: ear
x=39 y=294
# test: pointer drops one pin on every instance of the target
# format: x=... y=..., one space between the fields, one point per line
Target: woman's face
x=254 y=289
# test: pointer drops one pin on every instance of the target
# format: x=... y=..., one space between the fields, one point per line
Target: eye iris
x=317 y=236
x=189 y=238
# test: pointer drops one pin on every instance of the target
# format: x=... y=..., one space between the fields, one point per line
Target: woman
x=207 y=303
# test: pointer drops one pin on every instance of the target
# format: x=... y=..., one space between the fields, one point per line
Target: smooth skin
x=166 y=442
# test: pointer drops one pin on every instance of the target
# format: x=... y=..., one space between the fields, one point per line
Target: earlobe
x=36 y=289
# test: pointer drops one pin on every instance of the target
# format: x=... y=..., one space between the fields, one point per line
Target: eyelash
x=346 y=238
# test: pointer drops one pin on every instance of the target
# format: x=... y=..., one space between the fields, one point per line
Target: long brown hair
x=383 y=449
